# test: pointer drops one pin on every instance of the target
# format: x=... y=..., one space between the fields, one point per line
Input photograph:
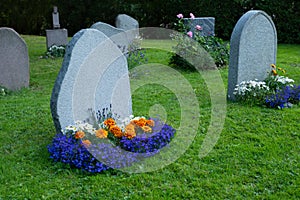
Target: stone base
x=56 y=37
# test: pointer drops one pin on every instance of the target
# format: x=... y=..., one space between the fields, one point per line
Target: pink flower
x=192 y=15
x=180 y=16
x=198 y=27
x=190 y=34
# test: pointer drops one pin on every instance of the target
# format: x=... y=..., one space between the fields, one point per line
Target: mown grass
x=256 y=157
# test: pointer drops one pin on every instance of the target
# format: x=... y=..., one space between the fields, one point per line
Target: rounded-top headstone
x=94 y=75
x=14 y=65
x=253 y=48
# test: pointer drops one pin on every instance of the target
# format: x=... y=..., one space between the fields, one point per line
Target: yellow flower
x=147 y=129
x=79 y=134
x=86 y=143
x=274 y=72
x=130 y=131
x=101 y=133
x=273 y=66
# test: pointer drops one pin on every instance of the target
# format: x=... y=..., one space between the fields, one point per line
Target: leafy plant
x=56 y=51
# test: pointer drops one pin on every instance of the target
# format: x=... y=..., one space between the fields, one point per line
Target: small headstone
x=207 y=24
x=128 y=24
x=55 y=18
x=253 y=48
x=14 y=61
x=118 y=36
x=56 y=36
x=94 y=75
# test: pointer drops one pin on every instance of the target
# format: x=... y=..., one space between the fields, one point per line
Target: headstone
x=94 y=75
x=14 y=61
x=56 y=36
x=55 y=18
x=128 y=24
x=118 y=36
x=207 y=24
x=253 y=48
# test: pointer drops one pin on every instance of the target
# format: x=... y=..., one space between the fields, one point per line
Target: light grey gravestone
x=94 y=75
x=118 y=36
x=56 y=36
x=128 y=24
x=253 y=48
x=207 y=24
x=14 y=65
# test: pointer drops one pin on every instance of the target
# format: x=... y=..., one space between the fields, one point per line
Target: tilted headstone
x=207 y=25
x=118 y=36
x=56 y=36
x=94 y=75
x=14 y=61
x=128 y=24
x=253 y=48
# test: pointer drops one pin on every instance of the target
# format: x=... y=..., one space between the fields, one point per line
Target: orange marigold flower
x=86 y=143
x=130 y=134
x=109 y=122
x=147 y=129
x=141 y=122
x=274 y=72
x=116 y=131
x=150 y=122
x=79 y=134
x=101 y=133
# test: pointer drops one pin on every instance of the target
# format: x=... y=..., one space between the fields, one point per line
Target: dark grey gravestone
x=94 y=75
x=253 y=48
x=118 y=36
x=14 y=61
x=128 y=24
x=56 y=37
x=207 y=24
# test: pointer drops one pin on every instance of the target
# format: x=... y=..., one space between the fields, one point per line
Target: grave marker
x=94 y=75
x=253 y=47
x=14 y=65
x=128 y=24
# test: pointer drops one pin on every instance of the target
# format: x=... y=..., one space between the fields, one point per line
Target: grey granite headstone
x=14 y=61
x=253 y=48
x=56 y=37
x=118 y=36
x=207 y=24
x=94 y=75
x=128 y=24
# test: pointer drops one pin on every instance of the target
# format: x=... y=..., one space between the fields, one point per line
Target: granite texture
x=253 y=48
x=56 y=37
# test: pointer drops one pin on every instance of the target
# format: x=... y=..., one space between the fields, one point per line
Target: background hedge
x=33 y=17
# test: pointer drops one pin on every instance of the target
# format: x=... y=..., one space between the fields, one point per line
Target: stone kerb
x=94 y=75
x=14 y=65
x=253 y=48
x=118 y=36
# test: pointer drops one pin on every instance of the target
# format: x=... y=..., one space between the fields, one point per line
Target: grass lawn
x=257 y=155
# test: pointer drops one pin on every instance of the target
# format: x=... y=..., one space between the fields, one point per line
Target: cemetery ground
x=256 y=157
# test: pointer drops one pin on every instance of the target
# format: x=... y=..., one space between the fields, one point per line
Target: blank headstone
x=128 y=24
x=94 y=75
x=14 y=61
x=253 y=47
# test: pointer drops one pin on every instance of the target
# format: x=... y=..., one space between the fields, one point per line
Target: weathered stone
x=118 y=36
x=14 y=65
x=128 y=24
x=94 y=75
x=55 y=17
x=56 y=37
x=253 y=48
x=207 y=24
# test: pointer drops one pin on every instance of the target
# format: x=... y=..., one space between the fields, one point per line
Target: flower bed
x=110 y=143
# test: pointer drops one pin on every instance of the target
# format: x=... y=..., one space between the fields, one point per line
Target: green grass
x=256 y=157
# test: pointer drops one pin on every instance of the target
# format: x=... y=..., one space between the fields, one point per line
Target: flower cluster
x=98 y=147
x=275 y=91
x=56 y=51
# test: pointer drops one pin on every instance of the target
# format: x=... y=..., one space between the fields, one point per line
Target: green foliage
x=56 y=51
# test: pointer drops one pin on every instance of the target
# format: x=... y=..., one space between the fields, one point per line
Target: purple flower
x=192 y=16
x=180 y=16
x=190 y=34
x=198 y=27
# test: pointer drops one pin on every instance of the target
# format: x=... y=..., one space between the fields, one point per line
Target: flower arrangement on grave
x=276 y=91
x=216 y=47
x=110 y=142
